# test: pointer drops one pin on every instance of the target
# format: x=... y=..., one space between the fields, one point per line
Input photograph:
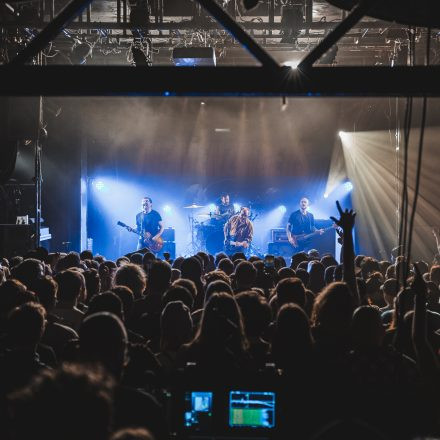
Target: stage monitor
x=252 y=409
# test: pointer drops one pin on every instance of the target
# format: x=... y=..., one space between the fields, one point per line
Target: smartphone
x=269 y=261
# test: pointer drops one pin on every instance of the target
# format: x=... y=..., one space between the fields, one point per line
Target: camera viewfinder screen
x=198 y=409
x=251 y=409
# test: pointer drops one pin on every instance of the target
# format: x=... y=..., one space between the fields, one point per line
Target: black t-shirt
x=148 y=222
x=301 y=224
x=226 y=209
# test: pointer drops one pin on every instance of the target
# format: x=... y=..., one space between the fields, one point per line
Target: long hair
x=221 y=327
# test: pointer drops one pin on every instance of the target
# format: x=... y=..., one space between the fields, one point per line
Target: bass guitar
x=300 y=239
x=146 y=238
x=232 y=246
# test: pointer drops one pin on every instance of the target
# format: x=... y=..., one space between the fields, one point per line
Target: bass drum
x=214 y=240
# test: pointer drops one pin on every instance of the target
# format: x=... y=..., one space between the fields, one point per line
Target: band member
x=224 y=209
x=301 y=223
x=148 y=224
x=238 y=232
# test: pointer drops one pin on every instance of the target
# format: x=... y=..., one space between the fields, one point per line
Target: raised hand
x=346 y=218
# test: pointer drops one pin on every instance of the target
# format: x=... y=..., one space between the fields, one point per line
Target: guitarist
x=238 y=232
x=148 y=223
x=301 y=222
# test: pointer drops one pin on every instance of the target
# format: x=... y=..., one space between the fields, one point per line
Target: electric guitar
x=146 y=238
x=300 y=239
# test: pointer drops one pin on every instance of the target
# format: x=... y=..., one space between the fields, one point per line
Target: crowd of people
x=92 y=348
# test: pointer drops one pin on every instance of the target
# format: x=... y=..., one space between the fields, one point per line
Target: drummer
x=224 y=208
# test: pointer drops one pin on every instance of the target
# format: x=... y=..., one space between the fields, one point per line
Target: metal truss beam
x=336 y=34
x=50 y=31
x=238 y=33
x=218 y=81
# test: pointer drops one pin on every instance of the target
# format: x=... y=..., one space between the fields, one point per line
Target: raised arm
x=346 y=222
x=426 y=359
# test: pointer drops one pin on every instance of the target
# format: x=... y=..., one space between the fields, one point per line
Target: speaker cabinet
x=15 y=239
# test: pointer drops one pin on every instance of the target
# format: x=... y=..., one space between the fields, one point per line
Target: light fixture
x=194 y=56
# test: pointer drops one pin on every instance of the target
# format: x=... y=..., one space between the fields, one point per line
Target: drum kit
x=206 y=230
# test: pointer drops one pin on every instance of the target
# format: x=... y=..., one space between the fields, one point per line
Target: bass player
x=149 y=224
x=301 y=223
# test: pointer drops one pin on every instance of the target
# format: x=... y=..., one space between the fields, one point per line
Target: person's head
x=175 y=274
x=178 y=293
x=329 y=274
x=297 y=259
x=333 y=308
x=46 y=290
x=245 y=275
x=86 y=255
x=304 y=204
x=368 y=266
x=222 y=326
x=72 y=402
x=434 y=275
x=103 y=339
x=255 y=311
x=133 y=277
x=106 y=302
x=28 y=272
x=292 y=337
x=12 y=294
x=290 y=290
x=217 y=275
x=159 y=276
x=224 y=198
x=423 y=266
x=175 y=326
x=303 y=275
x=217 y=286
x=205 y=261
x=25 y=325
x=218 y=257
x=328 y=261
x=316 y=281
x=188 y=285
x=147 y=205
x=390 y=272
x=226 y=266
x=71 y=286
x=367 y=331
x=390 y=288
x=127 y=299
x=93 y=282
x=285 y=272
x=244 y=212
x=132 y=434
x=191 y=268
x=122 y=260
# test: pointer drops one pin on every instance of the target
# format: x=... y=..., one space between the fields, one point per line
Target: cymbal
x=193 y=206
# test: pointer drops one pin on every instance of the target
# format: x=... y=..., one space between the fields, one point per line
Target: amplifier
x=169 y=234
x=279 y=235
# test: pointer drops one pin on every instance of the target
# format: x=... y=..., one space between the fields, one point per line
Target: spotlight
x=292 y=20
x=341 y=134
x=291 y=64
x=250 y=4
x=166 y=209
x=237 y=207
x=348 y=186
x=211 y=207
x=282 y=208
x=325 y=195
x=99 y=185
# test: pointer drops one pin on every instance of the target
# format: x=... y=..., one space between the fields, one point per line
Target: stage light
x=292 y=64
x=325 y=195
x=237 y=207
x=348 y=186
x=341 y=134
x=167 y=209
x=194 y=56
x=282 y=208
x=99 y=185
x=211 y=207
